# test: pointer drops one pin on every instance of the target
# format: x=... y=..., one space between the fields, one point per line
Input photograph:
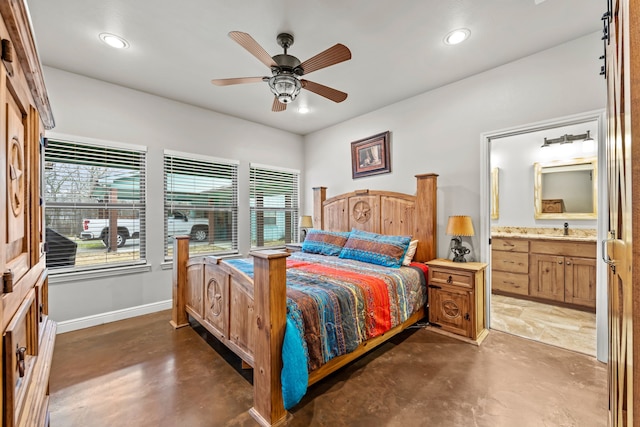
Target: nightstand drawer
x=450 y=277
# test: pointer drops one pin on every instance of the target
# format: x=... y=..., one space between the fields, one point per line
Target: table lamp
x=458 y=226
x=305 y=223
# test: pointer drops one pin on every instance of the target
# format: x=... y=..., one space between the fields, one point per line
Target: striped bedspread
x=338 y=303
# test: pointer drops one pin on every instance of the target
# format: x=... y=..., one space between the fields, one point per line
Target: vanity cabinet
x=547 y=270
x=510 y=266
x=563 y=271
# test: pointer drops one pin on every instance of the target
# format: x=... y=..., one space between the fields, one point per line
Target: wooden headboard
x=383 y=212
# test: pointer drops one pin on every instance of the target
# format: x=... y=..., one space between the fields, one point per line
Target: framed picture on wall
x=370 y=156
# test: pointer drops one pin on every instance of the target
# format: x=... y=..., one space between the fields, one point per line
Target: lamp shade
x=460 y=225
x=306 y=221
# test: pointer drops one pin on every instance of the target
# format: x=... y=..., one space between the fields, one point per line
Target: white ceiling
x=397 y=47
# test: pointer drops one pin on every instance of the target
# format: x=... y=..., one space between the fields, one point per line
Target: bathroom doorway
x=542 y=194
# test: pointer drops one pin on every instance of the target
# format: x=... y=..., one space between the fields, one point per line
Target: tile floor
x=563 y=327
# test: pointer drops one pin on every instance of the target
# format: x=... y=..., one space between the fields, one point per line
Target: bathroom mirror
x=566 y=189
x=495 y=202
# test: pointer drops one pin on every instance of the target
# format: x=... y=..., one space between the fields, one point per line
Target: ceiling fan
x=286 y=70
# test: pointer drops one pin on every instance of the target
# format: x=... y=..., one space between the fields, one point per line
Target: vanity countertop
x=577 y=234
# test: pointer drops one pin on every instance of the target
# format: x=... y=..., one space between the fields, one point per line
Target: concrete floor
x=140 y=372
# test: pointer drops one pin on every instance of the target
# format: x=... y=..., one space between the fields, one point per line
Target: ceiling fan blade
x=236 y=81
x=322 y=90
x=252 y=46
x=333 y=55
x=277 y=105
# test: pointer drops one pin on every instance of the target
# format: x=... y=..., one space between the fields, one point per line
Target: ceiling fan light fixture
x=114 y=41
x=285 y=86
x=457 y=36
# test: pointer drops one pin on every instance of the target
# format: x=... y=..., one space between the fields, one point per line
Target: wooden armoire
x=622 y=40
x=28 y=335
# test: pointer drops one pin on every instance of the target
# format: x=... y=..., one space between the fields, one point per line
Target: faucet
x=566 y=228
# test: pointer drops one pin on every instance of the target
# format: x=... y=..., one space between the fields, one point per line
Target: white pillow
x=411 y=251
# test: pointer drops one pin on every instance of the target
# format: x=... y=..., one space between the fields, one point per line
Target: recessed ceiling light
x=457 y=36
x=114 y=41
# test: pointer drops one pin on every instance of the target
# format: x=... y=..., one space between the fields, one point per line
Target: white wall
x=94 y=109
x=515 y=155
x=439 y=131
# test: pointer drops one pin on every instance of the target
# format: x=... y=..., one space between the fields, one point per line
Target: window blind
x=201 y=201
x=88 y=188
x=274 y=206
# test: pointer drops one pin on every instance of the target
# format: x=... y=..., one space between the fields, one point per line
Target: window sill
x=73 y=276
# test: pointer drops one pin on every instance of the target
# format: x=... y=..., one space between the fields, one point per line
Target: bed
x=248 y=305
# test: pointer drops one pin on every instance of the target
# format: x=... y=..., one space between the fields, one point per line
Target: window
x=274 y=205
x=201 y=201
x=95 y=205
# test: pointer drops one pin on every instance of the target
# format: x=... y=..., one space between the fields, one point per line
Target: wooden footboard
x=249 y=316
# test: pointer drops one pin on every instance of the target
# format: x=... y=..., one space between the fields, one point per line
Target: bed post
x=179 y=316
x=319 y=196
x=270 y=305
x=426 y=216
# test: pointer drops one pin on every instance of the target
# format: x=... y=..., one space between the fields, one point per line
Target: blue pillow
x=324 y=242
x=376 y=248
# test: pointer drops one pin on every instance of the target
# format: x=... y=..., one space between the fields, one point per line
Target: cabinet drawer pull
x=450 y=279
x=559 y=262
x=20 y=353
x=568 y=262
x=508 y=262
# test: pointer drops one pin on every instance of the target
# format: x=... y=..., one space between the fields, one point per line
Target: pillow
x=388 y=251
x=411 y=251
x=324 y=242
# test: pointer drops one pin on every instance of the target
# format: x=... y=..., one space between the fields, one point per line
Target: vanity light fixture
x=566 y=139
x=114 y=41
x=457 y=36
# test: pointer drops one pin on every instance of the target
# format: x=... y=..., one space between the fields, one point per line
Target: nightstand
x=457 y=299
x=293 y=247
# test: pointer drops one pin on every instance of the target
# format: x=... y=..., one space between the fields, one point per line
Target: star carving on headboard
x=361 y=212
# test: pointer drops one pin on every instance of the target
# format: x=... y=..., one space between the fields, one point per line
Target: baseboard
x=112 y=316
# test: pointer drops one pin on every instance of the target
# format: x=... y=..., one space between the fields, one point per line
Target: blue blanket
x=295 y=375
